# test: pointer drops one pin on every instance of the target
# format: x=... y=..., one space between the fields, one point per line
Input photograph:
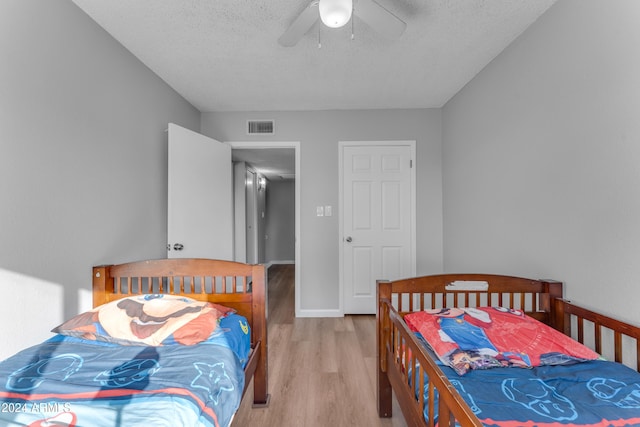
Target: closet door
x=199 y=208
x=377 y=210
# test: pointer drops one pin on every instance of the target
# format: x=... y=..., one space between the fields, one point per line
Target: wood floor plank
x=321 y=370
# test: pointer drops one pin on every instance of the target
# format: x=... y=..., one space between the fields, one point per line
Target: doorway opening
x=267 y=181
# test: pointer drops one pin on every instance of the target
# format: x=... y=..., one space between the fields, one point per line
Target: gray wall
x=319 y=133
x=541 y=157
x=280 y=244
x=83 y=156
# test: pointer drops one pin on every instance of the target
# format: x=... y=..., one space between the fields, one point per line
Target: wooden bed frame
x=399 y=352
x=232 y=284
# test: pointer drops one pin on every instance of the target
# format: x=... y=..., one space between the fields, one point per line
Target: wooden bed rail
x=601 y=333
x=412 y=371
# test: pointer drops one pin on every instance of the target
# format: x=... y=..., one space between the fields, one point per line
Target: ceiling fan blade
x=300 y=26
x=379 y=18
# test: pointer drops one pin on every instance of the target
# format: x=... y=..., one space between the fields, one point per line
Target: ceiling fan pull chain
x=319 y=43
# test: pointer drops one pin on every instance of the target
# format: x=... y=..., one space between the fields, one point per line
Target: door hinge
x=410 y=163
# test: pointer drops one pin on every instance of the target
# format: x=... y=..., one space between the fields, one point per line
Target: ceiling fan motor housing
x=335 y=13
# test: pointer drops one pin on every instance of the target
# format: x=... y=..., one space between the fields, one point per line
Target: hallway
x=321 y=370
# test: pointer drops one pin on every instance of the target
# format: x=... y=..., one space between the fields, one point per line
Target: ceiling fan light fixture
x=335 y=13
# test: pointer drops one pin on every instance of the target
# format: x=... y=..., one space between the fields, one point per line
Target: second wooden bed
x=404 y=361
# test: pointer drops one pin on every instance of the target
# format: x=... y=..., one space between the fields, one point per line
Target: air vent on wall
x=260 y=127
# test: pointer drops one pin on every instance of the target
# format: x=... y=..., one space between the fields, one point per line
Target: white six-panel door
x=377 y=220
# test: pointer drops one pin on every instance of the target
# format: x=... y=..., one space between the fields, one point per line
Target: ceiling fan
x=336 y=13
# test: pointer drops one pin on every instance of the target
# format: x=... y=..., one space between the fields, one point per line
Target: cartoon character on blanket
x=487 y=337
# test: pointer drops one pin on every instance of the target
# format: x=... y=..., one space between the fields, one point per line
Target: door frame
x=296 y=146
x=341 y=145
x=252 y=252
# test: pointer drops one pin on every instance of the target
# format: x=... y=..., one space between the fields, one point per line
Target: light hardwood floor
x=321 y=370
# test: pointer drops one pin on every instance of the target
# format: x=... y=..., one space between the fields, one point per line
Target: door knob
x=349 y=239
x=178 y=246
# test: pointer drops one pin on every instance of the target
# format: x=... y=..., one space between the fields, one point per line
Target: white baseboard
x=270 y=263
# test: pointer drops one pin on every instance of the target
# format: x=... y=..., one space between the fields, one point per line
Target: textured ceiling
x=223 y=55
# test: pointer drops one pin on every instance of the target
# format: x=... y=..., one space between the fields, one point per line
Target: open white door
x=200 y=201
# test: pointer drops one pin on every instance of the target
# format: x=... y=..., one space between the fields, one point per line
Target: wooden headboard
x=232 y=284
x=531 y=296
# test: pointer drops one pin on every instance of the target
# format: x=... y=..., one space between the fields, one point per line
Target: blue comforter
x=593 y=393
x=77 y=382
